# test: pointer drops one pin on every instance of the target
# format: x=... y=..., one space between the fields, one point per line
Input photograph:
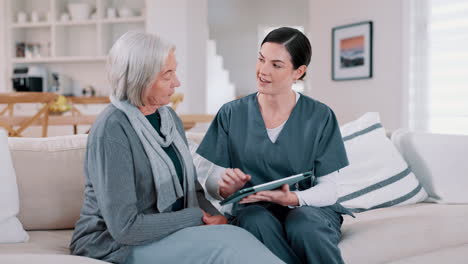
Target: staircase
x=219 y=89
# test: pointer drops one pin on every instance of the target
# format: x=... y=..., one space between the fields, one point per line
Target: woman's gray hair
x=133 y=63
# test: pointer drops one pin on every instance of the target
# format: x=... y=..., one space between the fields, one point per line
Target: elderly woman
x=143 y=203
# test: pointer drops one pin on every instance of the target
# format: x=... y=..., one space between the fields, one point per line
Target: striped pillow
x=377 y=176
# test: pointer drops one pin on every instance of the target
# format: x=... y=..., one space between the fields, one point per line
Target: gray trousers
x=301 y=235
x=204 y=244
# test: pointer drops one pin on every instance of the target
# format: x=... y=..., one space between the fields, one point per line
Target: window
x=438 y=77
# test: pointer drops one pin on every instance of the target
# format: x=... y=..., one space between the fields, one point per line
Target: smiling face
x=161 y=90
x=275 y=71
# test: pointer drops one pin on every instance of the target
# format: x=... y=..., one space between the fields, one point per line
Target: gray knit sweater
x=119 y=207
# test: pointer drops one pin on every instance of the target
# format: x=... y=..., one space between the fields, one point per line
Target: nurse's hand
x=282 y=196
x=232 y=181
x=213 y=219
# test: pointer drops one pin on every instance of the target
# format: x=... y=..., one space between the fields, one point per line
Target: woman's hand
x=213 y=219
x=232 y=181
x=282 y=196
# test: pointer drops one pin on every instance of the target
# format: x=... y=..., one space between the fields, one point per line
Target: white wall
x=2 y=47
x=233 y=25
x=197 y=40
x=183 y=22
x=350 y=99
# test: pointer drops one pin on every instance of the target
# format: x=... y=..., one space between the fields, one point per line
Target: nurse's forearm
x=325 y=193
x=214 y=175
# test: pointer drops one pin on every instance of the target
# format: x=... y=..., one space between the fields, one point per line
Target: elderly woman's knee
x=238 y=237
x=225 y=237
x=240 y=246
x=228 y=231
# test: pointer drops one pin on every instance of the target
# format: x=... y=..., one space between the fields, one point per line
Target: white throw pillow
x=377 y=176
x=49 y=173
x=11 y=230
x=439 y=162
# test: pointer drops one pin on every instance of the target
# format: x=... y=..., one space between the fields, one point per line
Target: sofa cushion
x=439 y=161
x=11 y=230
x=452 y=255
x=377 y=175
x=50 y=179
x=41 y=242
x=395 y=233
x=46 y=259
x=43 y=247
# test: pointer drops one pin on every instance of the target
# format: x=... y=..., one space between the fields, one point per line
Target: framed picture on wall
x=352 y=51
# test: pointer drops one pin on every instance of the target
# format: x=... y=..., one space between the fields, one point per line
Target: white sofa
x=50 y=181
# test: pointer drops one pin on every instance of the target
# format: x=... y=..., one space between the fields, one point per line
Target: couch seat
x=46 y=259
x=422 y=231
x=49 y=247
x=456 y=255
x=41 y=242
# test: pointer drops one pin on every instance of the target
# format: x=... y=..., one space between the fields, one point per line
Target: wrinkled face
x=161 y=90
x=275 y=71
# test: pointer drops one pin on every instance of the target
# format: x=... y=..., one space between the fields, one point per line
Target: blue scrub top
x=310 y=140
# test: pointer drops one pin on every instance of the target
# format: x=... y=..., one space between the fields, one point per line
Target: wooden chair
x=190 y=121
x=84 y=101
x=176 y=99
x=10 y=99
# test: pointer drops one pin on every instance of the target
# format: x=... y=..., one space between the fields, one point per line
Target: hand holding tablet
x=237 y=196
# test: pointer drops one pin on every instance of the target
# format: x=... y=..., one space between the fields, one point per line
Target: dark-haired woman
x=272 y=134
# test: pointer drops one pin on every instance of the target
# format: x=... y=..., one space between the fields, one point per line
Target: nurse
x=274 y=133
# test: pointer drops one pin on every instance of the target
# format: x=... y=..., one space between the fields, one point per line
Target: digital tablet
x=237 y=196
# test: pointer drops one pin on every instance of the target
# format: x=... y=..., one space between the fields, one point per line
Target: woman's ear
x=299 y=72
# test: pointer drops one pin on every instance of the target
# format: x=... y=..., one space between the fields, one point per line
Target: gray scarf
x=166 y=182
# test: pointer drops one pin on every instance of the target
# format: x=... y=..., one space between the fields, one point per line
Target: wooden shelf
x=68 y=46
x=31 y=25
x=135 y=19
x=76 y=23
x=64 y=59
x=72 y=41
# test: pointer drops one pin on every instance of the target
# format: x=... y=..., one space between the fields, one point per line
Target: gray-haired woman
x=143 y=203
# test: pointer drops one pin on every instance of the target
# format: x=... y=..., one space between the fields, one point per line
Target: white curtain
x=438 y=77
